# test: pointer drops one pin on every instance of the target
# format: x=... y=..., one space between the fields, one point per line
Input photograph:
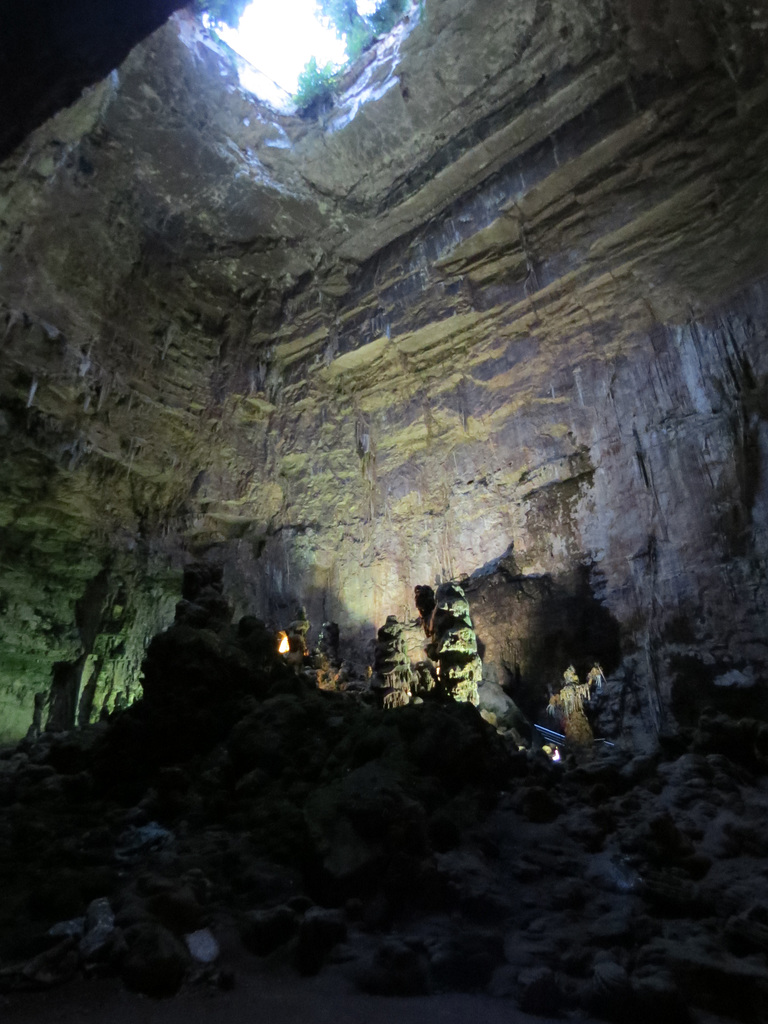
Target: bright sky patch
x=278 y=38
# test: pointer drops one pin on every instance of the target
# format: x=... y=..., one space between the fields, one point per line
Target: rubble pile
x=407 y=852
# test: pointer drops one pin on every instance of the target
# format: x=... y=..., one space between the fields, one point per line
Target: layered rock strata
x=509 y=289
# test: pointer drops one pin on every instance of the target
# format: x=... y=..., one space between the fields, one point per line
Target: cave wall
x=640 y=461
x=50 y=52
x=499 y=312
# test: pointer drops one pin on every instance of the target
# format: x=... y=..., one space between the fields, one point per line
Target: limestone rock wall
x=506 y=299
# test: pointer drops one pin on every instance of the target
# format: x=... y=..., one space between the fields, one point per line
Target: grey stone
x=202 y=946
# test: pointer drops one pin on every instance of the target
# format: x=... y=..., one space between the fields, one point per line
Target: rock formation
x=567 y=706
x=509 y=288
x=326 y=658
x=279 y=830
x=328 y=642
x=424 y=678
x=297 y=632
x=425 y=605
x=394 y=678
x=454 y=645
x=498 y=314
x=203 y=602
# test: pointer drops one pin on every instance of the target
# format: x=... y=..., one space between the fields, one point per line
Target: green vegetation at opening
x=318 y=85
x=227 y=12
x=359 y=30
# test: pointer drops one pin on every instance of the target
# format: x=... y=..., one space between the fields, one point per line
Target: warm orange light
x=283 y=646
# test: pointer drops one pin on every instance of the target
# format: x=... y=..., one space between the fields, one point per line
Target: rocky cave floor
x=236 y=816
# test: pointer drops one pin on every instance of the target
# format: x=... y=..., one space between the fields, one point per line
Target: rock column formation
x=394 y=679
x=454 y=643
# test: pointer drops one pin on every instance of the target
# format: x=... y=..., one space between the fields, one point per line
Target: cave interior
x=384 y=517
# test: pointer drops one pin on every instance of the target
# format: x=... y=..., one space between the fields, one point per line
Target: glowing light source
x=279 y=38
x=283 y=647
x=556 y=754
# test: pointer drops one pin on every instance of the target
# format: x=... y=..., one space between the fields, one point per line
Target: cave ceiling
x=506 y=292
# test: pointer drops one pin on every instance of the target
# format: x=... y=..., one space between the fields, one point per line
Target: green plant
x=227 y=11
x=386 y=16
x=320 y=84
x=316 y=84
x=344 y=17
x=358 y=30
x=358 y=38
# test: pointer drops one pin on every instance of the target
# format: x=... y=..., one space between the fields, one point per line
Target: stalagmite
x=568 y=705
x=455 y=644
x=326 y=660
x=394 y=679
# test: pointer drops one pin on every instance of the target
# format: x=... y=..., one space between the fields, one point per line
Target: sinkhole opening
x=298 y=50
